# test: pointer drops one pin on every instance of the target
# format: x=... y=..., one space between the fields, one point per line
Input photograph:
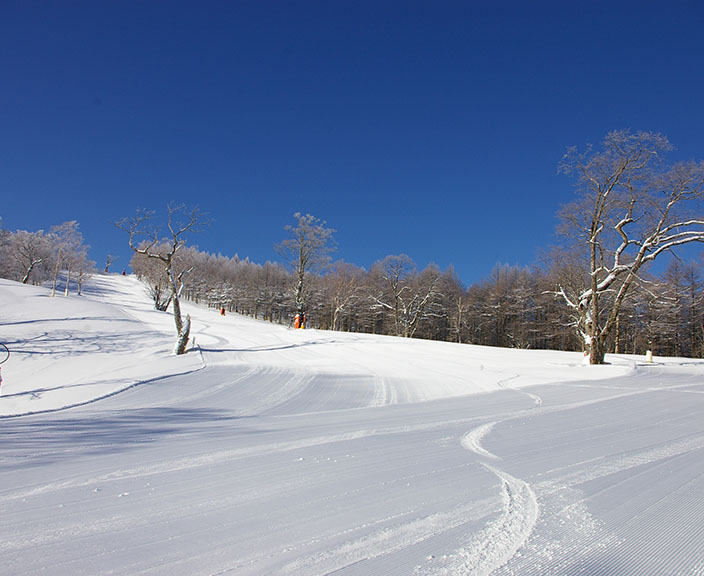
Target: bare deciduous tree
x=144 y=240
x=70 y=252
x=29 y=250
x=631 y=208
x=390 y=277
x=457 y=305
x=343 y=288
x=151 y=272
x=109 y=261
x=404 y=293
x=307 y=252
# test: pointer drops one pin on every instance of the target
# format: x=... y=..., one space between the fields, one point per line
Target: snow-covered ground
x=267 y=451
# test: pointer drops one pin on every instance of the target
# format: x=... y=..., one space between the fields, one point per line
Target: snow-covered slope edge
x=68 y=351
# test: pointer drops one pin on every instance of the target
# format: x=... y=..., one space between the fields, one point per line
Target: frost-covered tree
x=390 y=280
x=83 y=268
x=38 y=256
x=631 y=207
x=31 y=256
x=307 y=252
x=109 y=261
x=144 y=240
x=69 y=252
x=151 y=272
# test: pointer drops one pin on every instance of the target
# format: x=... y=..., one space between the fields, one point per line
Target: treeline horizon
x=513 y=307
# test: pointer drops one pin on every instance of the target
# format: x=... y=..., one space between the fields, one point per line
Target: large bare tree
x=307 y=252
x=631 y=208
x=144 y=240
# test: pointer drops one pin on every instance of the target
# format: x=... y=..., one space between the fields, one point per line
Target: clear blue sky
x=427 y=128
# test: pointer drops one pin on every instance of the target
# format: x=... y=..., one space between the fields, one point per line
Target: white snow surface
x=270 y=451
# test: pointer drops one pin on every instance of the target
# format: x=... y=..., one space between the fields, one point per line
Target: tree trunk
x=617 y=337
x=25 y=279
x=596 y=351
x=300 y=304
x=56 y=273
x=183 y=335
x=177 y=313
x=175 y=299
x=68 y=280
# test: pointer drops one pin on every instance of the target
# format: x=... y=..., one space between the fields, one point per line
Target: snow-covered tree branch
x=632 y=206
x=307 y=252
x=144 y=240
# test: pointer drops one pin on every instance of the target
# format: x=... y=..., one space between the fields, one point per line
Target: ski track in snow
x=472 y=440
x=385 y=392
x=386 y=540
x=489 y=552
x=503 y=536
x=578 y=535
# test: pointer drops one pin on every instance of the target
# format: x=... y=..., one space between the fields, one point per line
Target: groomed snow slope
x=266 y=450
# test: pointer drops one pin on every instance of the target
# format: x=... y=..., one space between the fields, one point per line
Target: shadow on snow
x=42 y=440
